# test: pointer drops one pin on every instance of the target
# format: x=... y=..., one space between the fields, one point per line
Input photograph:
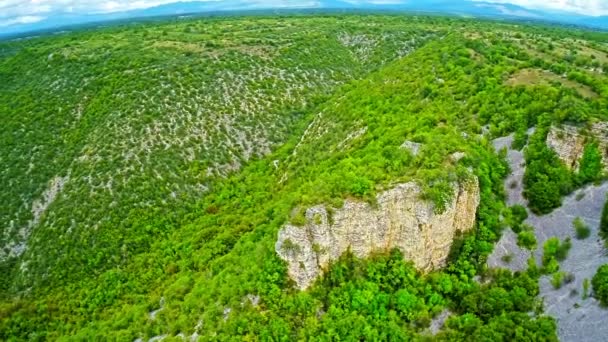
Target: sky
x=586 y=7
x=23 y=12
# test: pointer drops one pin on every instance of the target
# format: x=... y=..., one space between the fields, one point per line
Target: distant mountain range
x=451 y=7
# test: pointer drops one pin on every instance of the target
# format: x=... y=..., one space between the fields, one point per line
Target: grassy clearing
x=536 y=77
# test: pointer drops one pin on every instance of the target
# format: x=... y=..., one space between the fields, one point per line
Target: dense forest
x=149 y=167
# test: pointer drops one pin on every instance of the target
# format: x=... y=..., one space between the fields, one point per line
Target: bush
x=557 y=279
x=600 y=284
x=299 y=219
x=582 y=230
x=591 y=165
x=554 y=250
x=564 y=248
x=604 y=222
x=526 y=239
x=520 y=140
x=519 y=213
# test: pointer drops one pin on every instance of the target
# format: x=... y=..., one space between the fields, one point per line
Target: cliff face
x=401 y=220
x=569 y=142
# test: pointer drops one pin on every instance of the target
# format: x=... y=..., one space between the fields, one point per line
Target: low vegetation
x=582 y=231
x=604 y=223
x=554 y=251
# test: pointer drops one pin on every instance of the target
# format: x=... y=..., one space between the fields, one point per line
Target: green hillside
x=149 y=167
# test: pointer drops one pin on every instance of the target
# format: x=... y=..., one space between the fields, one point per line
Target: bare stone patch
x=161 y=304
x=507 y=254
x=411 y=146
x=439 y=322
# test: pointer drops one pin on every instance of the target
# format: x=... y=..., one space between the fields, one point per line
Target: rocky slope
x=400 y=220
x=578 y=318
x=569 y=142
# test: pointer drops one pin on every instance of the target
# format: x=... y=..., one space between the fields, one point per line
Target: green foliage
x=590 y=168
x=553 y=251
x=299 y=218
x=600 y=284
x=546 y=179
x=581 y=229
x=586 y=288
x=557 y=279
x=496 y=312
x=526 y=239
x=604 y=222
x=520 y=138
x=518 y=215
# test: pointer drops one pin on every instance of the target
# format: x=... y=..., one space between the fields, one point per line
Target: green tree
x=600 y=284
x=591 y=164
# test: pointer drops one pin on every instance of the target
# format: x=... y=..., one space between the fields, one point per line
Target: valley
x=303 y=177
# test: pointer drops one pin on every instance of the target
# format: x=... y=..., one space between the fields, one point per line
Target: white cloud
x=16 y=8
x=504 y=10
x=585 y=7
x=26 y=19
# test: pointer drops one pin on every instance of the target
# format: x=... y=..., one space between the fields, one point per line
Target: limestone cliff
x=401 y=220
x=569 y=142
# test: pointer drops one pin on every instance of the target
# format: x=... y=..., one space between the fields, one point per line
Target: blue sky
x=24 y=12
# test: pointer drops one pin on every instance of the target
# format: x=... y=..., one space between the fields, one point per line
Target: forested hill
x=149 y=168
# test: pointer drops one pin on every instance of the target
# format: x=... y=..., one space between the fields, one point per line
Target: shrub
x=604 y=222
x=519 y=212
x=526 y=239
x=299 y=219
x=557 y=279
x=564 y=248
x=550 y=249
x=582 y=230
x=554 y=250
x=600 y=284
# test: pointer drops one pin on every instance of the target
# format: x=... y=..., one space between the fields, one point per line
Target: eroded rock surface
x=400 y=220
x=569 y=142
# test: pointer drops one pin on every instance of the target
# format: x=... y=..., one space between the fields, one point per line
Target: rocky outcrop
x=400 y=220
x=569 y=142
x=411 y=146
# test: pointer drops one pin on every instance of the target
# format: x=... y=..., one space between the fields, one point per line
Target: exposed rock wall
x=400 y=220
x=569 y=142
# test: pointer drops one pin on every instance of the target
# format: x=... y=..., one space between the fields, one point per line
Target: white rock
x=401 y=220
